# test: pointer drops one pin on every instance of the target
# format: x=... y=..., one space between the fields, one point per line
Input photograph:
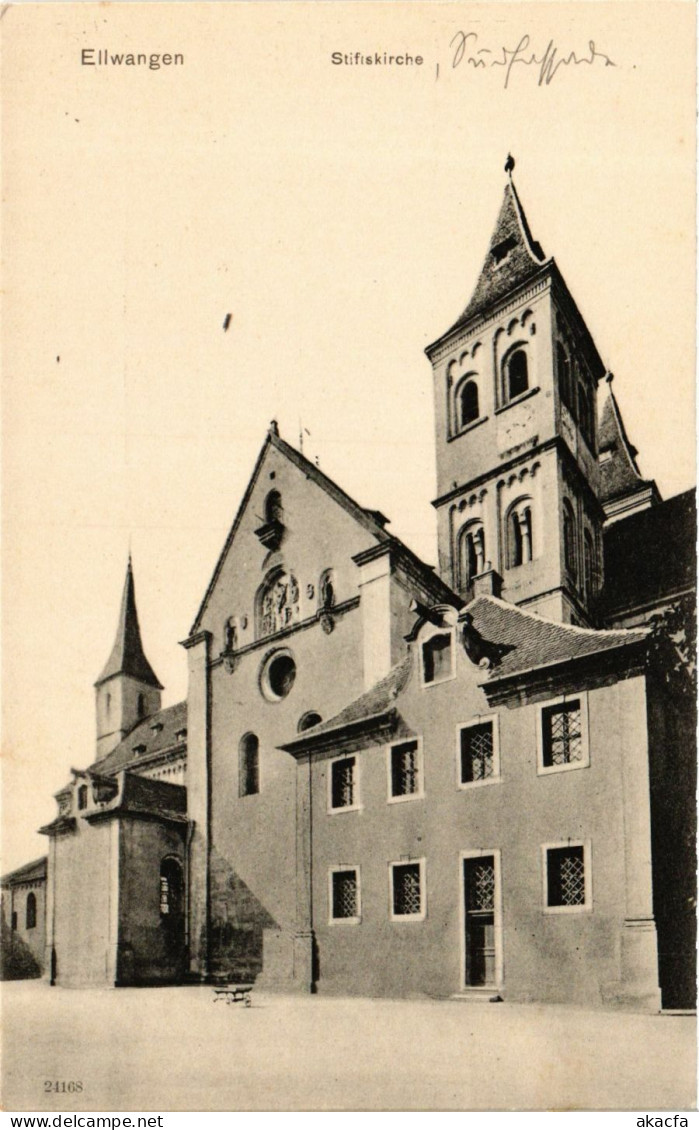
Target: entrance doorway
x=482 y=927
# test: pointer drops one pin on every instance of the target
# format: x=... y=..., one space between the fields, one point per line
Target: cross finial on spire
x=509 y=164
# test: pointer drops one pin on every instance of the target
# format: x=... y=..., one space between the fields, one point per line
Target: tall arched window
x=249 y=765
x=31 y=911
x=277 y=603
x=515 y=374
x=171 y=890
x=273 y=507
x=569 y=540
x=471 y=553
x=82 y=797
x=141 y=705
x=589 y=564
x=585 y=415
x=520 y=544
x=467 y=406
x=564 y=378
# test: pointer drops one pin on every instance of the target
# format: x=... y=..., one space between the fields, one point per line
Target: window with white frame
x=515 y=374
x=478 y=752
x=405 y=770
x=437 y=658
x=344 y=895
x=408 y=889
x=566 y=877
x=563 y=738
x=344 y=786
x=466 y=403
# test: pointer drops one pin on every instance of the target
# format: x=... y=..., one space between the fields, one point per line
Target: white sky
x=340 y=215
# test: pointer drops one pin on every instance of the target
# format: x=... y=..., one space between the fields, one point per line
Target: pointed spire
x=127 y=656
x=513 y=254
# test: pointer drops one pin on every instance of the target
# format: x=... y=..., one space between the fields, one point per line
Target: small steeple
x=512 y=257
x=127 y=691
x=127 y=655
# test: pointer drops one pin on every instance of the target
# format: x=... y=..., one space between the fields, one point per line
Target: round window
x=278 y=675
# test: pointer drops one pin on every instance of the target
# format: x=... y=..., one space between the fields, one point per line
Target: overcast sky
x=340 y=215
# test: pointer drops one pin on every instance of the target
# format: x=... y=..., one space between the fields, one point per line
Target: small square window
x=343 y=783
x=478 y=753
x=566 y=877
x=405 y=771
x=437 y=658
x=344 y=895
x=407 y=890
x=563 y=740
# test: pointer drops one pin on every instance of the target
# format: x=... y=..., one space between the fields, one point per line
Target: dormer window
x=437 y=656
x=82 y=797
x=500 y=252
x=157 y=727
x=140 y=748
x=181 y=734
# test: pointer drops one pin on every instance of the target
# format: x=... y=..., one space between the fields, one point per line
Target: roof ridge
x=573 y=628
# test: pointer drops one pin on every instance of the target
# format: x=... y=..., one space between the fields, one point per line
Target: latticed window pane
x=407 y=897
x=477 y=752
x=436 y=658
x=566 y=876
x=563 y=743
x=480 y=894
x=164 y=895
x=343 y=783
x=405 y=772
x=345 y=894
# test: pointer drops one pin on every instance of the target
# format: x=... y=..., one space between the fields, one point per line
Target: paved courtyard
x=174 y=1049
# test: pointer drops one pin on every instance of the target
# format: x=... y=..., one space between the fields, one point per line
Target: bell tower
x=127 y=690
x=515 y=387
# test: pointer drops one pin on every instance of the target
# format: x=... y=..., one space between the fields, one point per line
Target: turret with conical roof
x=127 y=689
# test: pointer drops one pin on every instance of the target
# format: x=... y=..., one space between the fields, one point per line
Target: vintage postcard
x=349 y=557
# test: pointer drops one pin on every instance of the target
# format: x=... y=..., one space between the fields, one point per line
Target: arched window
x=585 y=415
x=471 y=553
x=31 y=911
x=564 y=378
x=515 y=374
x=520 y=545
x=273 y=507
x=307 y=720
x=141 y=705
x=326 y=589
x=589 y=564
x=171 y=890
x=82 y=797
x=569 y=540
x=249 y=765
x=277 y=603
x=467 y=406
x=107 y=703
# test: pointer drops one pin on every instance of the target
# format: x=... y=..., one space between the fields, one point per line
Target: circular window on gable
x=278 y=675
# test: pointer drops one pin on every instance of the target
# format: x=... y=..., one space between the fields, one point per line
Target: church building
x=391 y=779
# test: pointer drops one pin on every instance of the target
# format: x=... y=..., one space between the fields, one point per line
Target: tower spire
x=127 y=656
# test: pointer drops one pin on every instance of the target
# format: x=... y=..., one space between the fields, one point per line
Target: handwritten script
x=467 y=51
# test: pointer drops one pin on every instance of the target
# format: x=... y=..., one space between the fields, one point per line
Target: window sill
x=407 y=797
x=438 y=682
x=408 y=917
x=344 y=922
x=469 y=428
x=344 y=808
x=546 y=770
x=466 y=786
x=584 y=908
x=517 y=400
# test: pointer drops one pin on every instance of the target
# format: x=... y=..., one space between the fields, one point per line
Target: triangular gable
x=370 y=520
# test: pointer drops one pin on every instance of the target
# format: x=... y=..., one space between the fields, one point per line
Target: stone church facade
x=392 y=779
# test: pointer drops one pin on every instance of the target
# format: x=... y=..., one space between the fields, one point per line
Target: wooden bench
x=233 y=994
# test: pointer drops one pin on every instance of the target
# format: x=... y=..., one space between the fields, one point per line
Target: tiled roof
x=157 y=733
x=127 y=656
x=141 y=795
x=619 y=473
x=650 y=555
x=527 y=642
x=26 y=873
x=372 y=704
x=513 y=256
